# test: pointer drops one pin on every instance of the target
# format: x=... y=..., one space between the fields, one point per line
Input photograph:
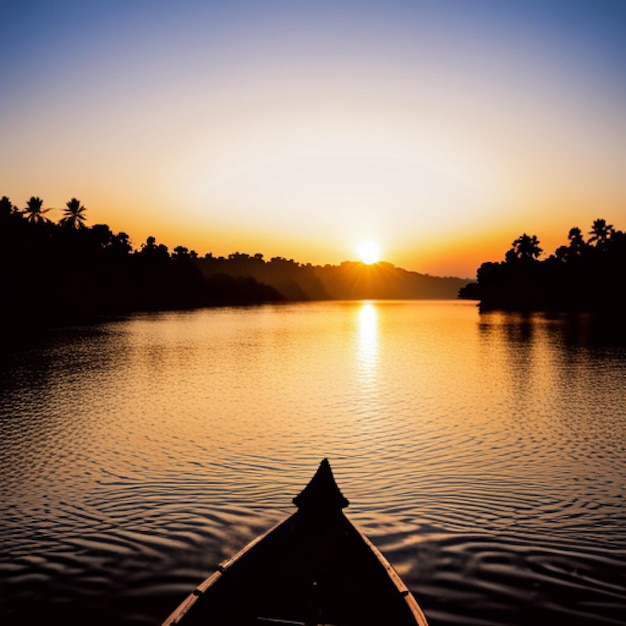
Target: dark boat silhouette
x=314 y=568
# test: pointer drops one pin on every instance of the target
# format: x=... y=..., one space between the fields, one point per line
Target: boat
x=315 y=568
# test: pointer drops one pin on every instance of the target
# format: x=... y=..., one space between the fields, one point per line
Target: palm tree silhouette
x=6 y=207
x=34 y=211
x=600 y=232
x=525 y=247
x=73 y=215
x=577 y=243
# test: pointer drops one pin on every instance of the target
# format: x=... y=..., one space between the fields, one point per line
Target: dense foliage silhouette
x=66 y=272
x=584 y=275
x=53 y=273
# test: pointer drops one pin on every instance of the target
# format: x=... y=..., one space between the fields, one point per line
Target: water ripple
x=487 y=464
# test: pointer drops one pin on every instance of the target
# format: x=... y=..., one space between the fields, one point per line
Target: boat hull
x=314 y=568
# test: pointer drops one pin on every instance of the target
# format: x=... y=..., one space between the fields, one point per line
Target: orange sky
x=441 y=130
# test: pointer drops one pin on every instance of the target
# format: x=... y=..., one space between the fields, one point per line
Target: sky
x=441 y=129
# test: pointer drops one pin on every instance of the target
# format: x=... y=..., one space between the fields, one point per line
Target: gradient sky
x=443 y=129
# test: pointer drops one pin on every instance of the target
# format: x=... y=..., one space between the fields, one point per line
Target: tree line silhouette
x=60 y=272
x=583 y=275
x=65 y=271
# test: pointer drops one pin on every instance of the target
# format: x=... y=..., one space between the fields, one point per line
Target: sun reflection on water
x=367 y=350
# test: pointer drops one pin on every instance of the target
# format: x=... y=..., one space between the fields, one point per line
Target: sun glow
x=369 y=252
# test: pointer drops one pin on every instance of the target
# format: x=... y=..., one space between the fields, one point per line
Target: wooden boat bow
x=322 y=493
x=315 y=568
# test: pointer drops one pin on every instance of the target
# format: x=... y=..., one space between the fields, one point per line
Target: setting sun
x=369 y=252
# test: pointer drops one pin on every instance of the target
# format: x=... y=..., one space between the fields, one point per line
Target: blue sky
x=443 y=129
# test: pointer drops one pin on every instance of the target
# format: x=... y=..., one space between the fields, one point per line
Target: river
x=483 y=453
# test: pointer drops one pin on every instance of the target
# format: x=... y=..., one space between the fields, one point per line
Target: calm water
x=484 y=454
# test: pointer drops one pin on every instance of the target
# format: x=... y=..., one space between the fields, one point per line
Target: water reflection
x=575 y=330
x=367 y=348
x=483 y=454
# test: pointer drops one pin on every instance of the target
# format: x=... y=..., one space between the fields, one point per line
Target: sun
x=369 y=252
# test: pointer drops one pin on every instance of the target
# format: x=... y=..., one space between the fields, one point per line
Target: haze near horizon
x=440 y=131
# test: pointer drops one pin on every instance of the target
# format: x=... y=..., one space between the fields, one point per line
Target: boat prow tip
x=322 y=492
